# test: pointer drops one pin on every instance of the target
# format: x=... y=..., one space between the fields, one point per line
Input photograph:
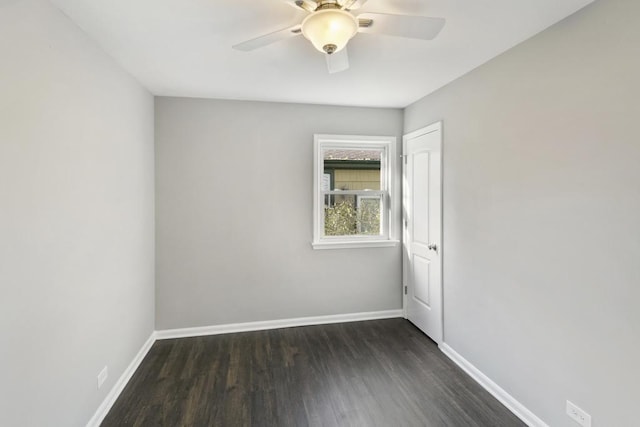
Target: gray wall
x=234 y=215
x=76 y=218
x=541 y=208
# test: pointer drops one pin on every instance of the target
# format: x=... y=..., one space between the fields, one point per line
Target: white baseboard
x=117 y=388
x=275 y=324
x=518 y=409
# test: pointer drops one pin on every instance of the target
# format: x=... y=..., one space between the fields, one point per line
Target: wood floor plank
x=375 y=373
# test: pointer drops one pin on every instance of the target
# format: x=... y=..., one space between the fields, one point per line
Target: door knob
x=432 y=247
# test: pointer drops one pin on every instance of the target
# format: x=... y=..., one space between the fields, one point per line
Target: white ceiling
x=183 y=47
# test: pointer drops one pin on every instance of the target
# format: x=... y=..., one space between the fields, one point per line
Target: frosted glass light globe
x=329 y=30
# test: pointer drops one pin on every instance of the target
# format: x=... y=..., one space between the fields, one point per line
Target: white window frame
x=387 y=180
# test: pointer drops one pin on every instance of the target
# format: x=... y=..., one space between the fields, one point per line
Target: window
x=353 y=200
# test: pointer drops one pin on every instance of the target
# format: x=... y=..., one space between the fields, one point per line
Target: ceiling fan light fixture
x=329 y=30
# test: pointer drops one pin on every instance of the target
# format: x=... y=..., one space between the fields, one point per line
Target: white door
x=422 y=239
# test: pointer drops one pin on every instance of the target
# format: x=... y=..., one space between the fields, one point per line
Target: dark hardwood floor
x=376 y=373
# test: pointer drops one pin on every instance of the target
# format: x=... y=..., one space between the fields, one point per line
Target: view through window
x=352 y=202
x=352 y=192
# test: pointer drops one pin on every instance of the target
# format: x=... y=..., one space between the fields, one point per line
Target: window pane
x=348 y=215
x=369 y=215
x=353 y=169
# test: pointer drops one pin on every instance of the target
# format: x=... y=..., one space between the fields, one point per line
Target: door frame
x=437 y=126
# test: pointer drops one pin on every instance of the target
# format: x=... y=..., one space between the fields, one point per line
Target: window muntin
x=352 y=200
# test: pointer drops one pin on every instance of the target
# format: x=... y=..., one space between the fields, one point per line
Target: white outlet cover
x=102 y=376
x=578 y=414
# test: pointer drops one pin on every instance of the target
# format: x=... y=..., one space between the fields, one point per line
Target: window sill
x=356 y=245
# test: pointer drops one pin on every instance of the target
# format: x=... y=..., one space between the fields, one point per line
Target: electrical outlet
x=102 y=377
x=578 y=415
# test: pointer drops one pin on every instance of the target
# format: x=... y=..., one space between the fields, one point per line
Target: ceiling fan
x=330 y=25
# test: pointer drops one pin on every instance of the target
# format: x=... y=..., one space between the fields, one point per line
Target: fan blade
x=352 y=4
x=268 y=39
x=337 y=62
x=308 y=5
x=412 y=27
